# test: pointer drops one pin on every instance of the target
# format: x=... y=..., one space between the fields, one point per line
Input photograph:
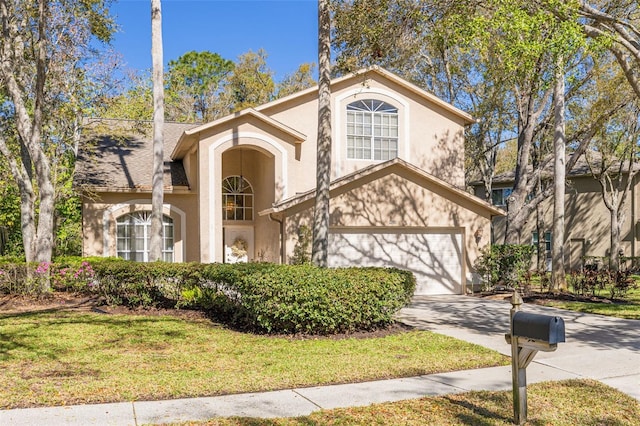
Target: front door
x=238 y=244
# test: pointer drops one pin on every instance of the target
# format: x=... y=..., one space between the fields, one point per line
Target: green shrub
x=143 y=284
x=262 y=297
x=307 y=299
x=24 y=278
x=504 y=264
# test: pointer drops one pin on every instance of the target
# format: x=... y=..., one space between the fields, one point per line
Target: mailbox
x=544 y=328
x=529 y=333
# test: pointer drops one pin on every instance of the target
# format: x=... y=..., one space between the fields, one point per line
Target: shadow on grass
x=25 y=332
x=474 y=414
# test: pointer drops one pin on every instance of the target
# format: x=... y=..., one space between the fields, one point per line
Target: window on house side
x=535 y=240
x=237 y=199
x=133 y=233
x=372 y=130
x=499 y=196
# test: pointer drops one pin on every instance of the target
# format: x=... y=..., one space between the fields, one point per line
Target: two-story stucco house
x=239 y=188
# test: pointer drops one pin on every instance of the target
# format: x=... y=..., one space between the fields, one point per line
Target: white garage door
x=434 y=258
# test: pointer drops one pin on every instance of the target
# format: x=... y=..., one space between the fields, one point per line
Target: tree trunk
x=558 y=275
x=27 y=196
x=29 y=117
x=155 y=243
x=46 y=216
x=614 y=257
x=541 y=251
x=323 y=172
x=517 y=212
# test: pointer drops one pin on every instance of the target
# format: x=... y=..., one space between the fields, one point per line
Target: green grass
x=568 y=403
x=56 y=358
x=629 y=309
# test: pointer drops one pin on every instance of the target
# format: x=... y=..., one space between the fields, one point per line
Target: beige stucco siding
x=274 y=147
x=429 y=137
x=401 y=201
x=587 y=221
x=100 y=215
x=270 y=154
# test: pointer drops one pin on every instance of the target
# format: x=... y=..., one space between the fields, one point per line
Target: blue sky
x=286 y=29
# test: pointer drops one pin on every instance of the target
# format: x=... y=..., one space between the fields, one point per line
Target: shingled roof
x=117 y=155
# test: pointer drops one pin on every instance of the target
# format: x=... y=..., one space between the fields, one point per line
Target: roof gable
x=383 y=169
x=357 y=76
x=262 y=112
x=188 y=137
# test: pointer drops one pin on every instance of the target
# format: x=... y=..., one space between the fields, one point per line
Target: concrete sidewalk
x=601 y=348
x=286 y=403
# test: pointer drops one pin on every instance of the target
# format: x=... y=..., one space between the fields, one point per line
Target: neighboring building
x=239 y=188
x=587 y=219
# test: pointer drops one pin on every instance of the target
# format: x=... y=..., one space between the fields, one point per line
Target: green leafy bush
x=592 y=282
x=261 y=297
x=134 y=284
x=307 y=299
x=504 y=265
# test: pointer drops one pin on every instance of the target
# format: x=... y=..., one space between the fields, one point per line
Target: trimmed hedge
x=261 y=297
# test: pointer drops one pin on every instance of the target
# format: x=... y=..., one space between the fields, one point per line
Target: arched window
x=237 y=199
x=372 y=130
x=133 y=236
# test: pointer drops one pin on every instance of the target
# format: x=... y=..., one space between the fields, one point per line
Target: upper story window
x=237 y=199
x=133 y=234
x=372 y=130
x=499 y=196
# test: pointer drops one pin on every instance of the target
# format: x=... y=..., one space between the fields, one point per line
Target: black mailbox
x=544 y=328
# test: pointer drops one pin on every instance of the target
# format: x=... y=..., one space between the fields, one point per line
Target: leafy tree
x=134 y=103
x=613 y=157
x=616 y=24
x=44 y=50
x=382 y=32
x=299 y=80
x=193 y=85
x=249 y=84
x=320 y=244
x=615 y=170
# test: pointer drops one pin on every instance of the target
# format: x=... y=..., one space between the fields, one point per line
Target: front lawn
x=628 y=308
x=568 y=403
x=67 y=357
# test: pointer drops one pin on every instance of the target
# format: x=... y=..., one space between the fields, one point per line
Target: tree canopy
x=49 y=72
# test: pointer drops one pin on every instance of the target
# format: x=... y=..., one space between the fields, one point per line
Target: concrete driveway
x=597 y=347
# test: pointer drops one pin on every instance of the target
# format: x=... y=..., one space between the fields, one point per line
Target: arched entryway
x=248 y=185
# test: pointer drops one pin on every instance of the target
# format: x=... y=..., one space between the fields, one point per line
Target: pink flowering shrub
x=76 y=278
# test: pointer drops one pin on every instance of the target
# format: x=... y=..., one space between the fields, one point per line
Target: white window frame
x=372 y=130
x=142 y=219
